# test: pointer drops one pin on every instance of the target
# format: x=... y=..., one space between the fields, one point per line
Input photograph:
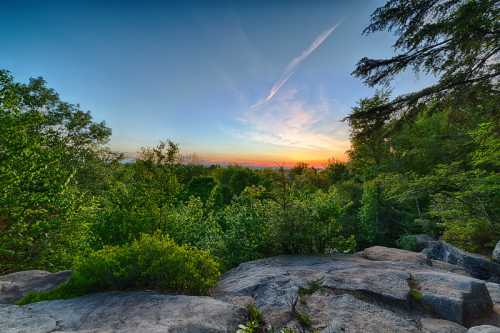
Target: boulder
x=395 y=286
x=16 y=285
x=476 y=265
x=431 y=325
x=495 y=256
x=452 y=297
x=381 y=253
x=125 y=312
x=484 y=329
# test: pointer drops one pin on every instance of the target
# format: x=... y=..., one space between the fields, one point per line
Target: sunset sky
x=249 y=82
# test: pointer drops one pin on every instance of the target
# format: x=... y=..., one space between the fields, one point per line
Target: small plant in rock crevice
x=302 y=318
x=415 y=294
x=311 y=287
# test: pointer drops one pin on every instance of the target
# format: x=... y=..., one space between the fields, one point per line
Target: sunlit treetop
x=456 y=40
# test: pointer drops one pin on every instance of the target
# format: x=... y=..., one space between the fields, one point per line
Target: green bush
x=247 y=221
x=152 y=262
x=407 y=242
x=192 y=224
x=307 y=223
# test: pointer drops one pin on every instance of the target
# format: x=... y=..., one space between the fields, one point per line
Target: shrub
x=192 y=224
x=255 y=314
x=247 y=221
x=152 y=262
x=293 y=223
x=134 y=202
x=255 y=322
x=407 y=242
x=311 y=287
x=307 y=223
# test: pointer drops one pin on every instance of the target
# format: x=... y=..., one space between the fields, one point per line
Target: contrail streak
x=292 y=66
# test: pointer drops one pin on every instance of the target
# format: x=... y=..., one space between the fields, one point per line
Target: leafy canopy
x=455 y=40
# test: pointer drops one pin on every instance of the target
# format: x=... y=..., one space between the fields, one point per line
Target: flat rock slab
x=430 y=325
x=453 y=297
x=419 y=290
x=15 y=285
x=346 y=313
x=125 y=312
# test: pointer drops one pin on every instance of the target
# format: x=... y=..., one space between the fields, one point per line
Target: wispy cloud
x=292 y=66
x=292 y=122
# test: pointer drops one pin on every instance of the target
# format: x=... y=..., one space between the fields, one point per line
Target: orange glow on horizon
x=266 y=162
x=286 y=159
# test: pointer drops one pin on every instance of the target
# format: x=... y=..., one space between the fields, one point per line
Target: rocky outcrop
x=128 y=312
x=15 y=285
x=476 y=265
x=344 y=290
x=377 y=290
x=495 y=256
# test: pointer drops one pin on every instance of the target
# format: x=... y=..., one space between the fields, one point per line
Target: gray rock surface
x=129 y=312
x=346 y=313
x=431 y=325
x=453 y=297
x=378 y=290
x=494 y=290
x=15 y=285
x=449 y=267
x=410 y=290
x=476 y=265
x=495 y=256
x=484 y=329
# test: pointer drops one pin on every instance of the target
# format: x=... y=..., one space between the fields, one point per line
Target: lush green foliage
x=457 y=40
x=47 y=153
x=151 y=262
x=408 y=242
x=425 y=163
x=429 y=160
x=437 y=175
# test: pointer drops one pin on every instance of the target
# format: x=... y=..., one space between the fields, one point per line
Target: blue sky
x=199 y=72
